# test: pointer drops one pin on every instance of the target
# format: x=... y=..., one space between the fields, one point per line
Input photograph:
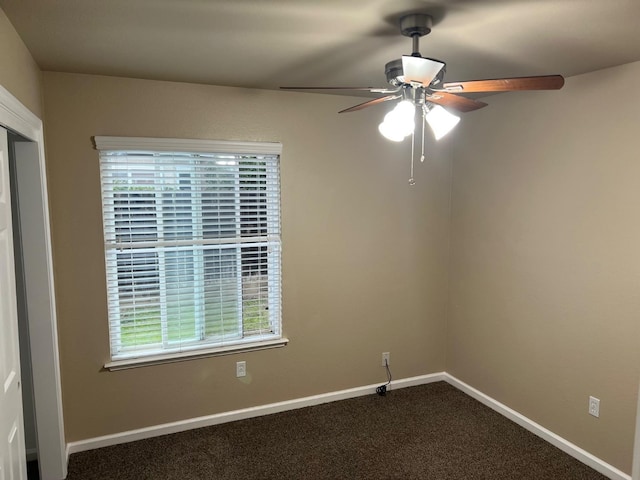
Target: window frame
x=137 y=358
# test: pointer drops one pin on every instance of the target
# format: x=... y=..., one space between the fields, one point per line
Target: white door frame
x=635 y=475
x=41 y=310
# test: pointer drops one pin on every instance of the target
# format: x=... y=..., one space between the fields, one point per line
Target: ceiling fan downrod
x=416 y=25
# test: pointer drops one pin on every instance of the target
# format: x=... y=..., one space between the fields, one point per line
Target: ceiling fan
x=419 y=82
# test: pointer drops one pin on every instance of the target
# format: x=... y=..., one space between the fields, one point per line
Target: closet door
x=12 y=449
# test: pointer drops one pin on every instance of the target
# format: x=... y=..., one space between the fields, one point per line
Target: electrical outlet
x=594 y=406
x=385 y=359
x=241 y=369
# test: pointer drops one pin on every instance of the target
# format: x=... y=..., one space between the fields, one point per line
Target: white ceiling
x=272 y=43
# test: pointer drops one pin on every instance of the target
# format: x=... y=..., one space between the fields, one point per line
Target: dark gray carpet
x=427 y=432
x=32 y=470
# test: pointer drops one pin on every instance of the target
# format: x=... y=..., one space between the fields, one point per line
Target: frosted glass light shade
x=399 y=122
x=390 y=133
x=441 y=121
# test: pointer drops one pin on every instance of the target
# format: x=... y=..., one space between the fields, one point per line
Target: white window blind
x=192 y=245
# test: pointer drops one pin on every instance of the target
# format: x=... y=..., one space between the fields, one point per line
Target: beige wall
x=365 y=256
x=18 y=71
x=545 y=269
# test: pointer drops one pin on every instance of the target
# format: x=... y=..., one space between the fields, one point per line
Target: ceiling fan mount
x=416 y=24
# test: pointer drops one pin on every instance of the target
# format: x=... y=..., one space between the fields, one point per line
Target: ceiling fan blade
x=461 y=104
x=545 y=82
x=419 y=69
x=377 y=90
x=375 y=101
x=328 y=88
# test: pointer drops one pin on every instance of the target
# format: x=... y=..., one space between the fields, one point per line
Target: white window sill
x=192 y=355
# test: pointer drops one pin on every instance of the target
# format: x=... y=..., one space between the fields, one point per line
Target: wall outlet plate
x=594 y=406
x=386 y=359
x=241 y=369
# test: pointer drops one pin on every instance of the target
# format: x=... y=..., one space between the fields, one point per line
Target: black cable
x=382 y=389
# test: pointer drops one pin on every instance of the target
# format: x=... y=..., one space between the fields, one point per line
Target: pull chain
x=413 y=143
x=411 y=179
x=424 y=120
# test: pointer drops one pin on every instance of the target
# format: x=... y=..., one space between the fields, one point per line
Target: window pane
x=222 y=307
x=219 y=204
x=135 y=215
x=253 y=200
x=177 y=206
x=139 y=298
x=255 y=290
x=183 y=296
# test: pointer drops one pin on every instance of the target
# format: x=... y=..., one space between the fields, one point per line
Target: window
x=192 y=247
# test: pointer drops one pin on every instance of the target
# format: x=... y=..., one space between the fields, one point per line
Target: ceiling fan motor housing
x=395 y=74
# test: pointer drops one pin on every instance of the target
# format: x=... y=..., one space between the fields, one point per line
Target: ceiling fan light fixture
x=399 y=122
x=441 y=121
x=390 y=133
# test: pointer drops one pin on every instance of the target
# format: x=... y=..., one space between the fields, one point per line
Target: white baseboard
x=576 y=452
x=209 y=420
x=636 y=446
